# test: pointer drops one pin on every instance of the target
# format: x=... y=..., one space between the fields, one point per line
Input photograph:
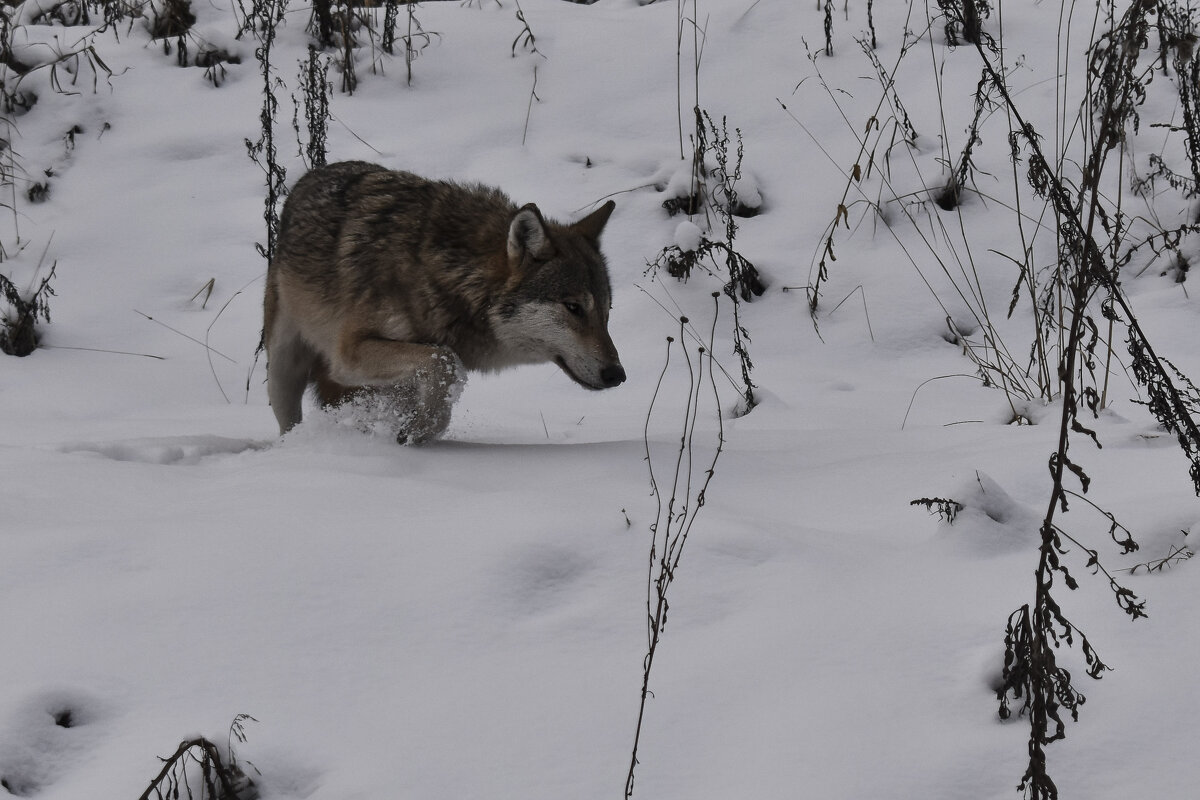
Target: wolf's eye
x=573 y=308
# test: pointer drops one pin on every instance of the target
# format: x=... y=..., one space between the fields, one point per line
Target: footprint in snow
x=543 y=578
x=43 y=737
x=185 y=450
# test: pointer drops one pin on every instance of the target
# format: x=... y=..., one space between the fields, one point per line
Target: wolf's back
x=361 y=217
x=316 y=211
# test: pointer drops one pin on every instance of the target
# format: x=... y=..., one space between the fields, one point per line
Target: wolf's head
x=558 y=299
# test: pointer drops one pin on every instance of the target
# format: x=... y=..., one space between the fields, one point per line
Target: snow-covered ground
x=467 y=619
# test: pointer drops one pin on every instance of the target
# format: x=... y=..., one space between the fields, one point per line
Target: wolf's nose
x=612 y=376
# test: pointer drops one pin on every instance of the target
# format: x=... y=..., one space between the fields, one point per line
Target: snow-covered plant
x=261 y=21
x=29 y=44
x=717 y=183
x=320 y=22
x=169 y=18
x=684 y=23
x=828 y=26
x=949 y=197
x=347 y=24
x=744 y=281
x=416 y=39
x=315 y=86
x=174 y=25
x=1088 y=268
x=888 y=127
x=1076 y=292
x=944 y=507
x=391 y=15
x=18 y=336
x=525 y=39
x=1177 y=39
x=198 y=770
x=965 y=18
x=1177 y=554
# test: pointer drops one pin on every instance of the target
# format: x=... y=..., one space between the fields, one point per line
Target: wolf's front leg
x=420 y=382
x=366 y=359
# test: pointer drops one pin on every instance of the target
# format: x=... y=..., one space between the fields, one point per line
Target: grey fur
x=383 y=278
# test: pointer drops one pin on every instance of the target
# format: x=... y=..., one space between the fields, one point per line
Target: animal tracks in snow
x=543 y=579
x=183 y=450
x=43 y=737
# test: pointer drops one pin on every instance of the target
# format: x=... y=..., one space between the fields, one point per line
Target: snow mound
x=991 y=521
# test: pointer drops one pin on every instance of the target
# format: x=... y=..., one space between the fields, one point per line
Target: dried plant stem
x=673 y=522
x=529 y=109
x=220 y=780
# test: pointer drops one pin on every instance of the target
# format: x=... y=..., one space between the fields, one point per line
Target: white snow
x=688 y=236
x=467 y=619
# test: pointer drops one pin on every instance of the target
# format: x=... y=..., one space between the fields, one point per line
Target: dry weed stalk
x=676 y=513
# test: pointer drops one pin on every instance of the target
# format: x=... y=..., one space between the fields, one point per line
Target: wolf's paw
x=444 y=376
x=414 y=411
x=438 y=387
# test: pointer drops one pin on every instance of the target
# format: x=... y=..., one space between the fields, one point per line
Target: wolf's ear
x=527 y=234
x=591 y=225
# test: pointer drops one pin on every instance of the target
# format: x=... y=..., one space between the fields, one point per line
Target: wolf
x=387 y=283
